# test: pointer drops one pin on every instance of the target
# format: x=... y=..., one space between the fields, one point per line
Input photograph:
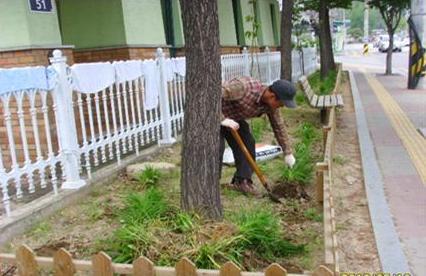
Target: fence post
x=246 y=62
x=65 y=123
x=268 y=65
x=166 y=120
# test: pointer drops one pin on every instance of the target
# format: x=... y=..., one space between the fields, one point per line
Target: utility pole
x=365 y=49
x=366 y=8
x=418 y=15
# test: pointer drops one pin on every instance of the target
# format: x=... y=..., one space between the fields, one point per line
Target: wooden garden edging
x=324 y=174
x=27 y=263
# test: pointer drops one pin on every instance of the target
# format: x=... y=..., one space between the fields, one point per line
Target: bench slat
x=340 y=100
x=327 y=101
x=333 y=100
x=320 y=102
x=314 y=101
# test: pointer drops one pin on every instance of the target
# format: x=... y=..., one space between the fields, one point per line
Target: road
x=352 y=56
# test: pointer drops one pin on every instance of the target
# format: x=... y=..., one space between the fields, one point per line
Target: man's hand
x=290 y=160
x=230 y=123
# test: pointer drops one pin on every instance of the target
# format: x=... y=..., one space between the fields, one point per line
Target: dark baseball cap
x=285 y=91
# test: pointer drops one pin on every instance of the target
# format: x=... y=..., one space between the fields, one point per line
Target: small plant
x=302 y=171
x=312 y=214
x=323 y=86
x=261 y=230
x=300 y=99
x=307 y=133
x=339 y=159
x=149 y=177
x=184 y=222
x=142 y=207
x=210 y=254
x=258 y=128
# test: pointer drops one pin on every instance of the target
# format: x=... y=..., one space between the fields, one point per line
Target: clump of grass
x=140 y=208
x=302 y=171
x=323 y=86
x=312 y=214
x=149 y=176
x=258 y=128
x=300 y=98
x=339 y=159
x=262 y=234
x=211 y=254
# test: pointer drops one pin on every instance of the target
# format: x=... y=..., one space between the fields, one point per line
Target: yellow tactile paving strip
x=413 y=142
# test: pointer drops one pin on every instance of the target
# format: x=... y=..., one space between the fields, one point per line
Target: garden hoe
x=254 y=166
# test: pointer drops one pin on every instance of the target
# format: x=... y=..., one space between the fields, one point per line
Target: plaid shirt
x=241 y=100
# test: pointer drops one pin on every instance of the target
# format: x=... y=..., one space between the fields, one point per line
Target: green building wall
x=143 y=22
x=92 y=24
x=227 y=32
x=21 y=28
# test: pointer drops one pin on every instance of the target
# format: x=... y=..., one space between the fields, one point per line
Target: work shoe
x=245 y=186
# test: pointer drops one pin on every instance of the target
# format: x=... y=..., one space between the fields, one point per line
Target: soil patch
x=290 y=190
x=357 y=246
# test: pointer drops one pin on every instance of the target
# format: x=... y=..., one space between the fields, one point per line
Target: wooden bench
x=322 y=102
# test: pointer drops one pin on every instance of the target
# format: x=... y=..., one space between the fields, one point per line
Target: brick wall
x=30 y=57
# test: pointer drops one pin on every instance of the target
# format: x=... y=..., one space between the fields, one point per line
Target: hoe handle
x=250 y=159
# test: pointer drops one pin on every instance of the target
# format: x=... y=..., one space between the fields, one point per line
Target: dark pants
x=243 y=168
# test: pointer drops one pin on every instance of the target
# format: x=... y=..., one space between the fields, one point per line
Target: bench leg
x=324 y=115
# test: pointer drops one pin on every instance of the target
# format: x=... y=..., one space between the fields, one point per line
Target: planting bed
x=133 y=217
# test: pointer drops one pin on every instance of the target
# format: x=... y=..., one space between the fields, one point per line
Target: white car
x=384 y=44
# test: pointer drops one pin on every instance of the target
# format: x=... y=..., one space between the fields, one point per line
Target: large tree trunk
x=286 y=26
x=389 y=52
x=200 y=151
x=326 y=48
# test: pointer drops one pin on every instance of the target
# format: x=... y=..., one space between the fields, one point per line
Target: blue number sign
x=41 y=5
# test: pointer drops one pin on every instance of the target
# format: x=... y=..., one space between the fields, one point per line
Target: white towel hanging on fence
x=169 y=69
x=127 y=70
x=180 y=66
x=92 y=77
x=152 y=81
x=24 y=78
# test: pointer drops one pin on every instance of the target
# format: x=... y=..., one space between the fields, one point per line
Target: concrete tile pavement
x=403 y=187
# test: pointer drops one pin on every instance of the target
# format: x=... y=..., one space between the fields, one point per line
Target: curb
x=392 y=257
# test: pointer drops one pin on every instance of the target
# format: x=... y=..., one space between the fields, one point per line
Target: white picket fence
x=56 y=137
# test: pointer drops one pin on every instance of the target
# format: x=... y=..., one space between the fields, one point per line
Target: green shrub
x=149 y=176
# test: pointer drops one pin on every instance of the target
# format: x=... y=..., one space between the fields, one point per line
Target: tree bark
x=200 y=150
x=326 y=48
x=286 y=26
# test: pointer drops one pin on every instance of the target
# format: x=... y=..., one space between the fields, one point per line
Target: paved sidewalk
x=393 y=116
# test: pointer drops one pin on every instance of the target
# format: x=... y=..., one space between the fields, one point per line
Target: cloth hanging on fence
x=180 y=66
x=152 y=81
x=169 y=70
x=127 y=70
x=92 y=77
x=24 y=78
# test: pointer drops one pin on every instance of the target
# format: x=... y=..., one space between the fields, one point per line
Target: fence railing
x=25 y=262
x=55 y=133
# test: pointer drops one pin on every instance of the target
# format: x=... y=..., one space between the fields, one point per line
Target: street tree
x=391 y=11
x=200 y=140
x=286 y=48
x=323 y=29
